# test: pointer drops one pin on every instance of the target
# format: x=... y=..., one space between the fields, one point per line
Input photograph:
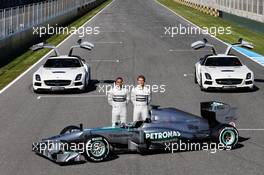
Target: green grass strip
x=20 y=64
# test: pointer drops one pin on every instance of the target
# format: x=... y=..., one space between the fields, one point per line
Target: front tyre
x=96 y=149
x=251 y=89
x=83 y=90
x=36 y=91
x=201 y=84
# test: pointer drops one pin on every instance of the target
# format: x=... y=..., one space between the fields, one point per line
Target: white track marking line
x=168 y=36
x=70 y=96
x=103 y=60
x=208 y=33
x=121 y=31
x=41 y=59
x=251 y=129
x=123 y=23
x=188 y=75
x=108 y=42
x=186 y=50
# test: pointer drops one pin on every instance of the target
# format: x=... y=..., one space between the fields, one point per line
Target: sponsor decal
x=162 y=135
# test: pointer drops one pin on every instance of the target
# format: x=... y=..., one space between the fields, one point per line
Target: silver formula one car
x=166 y=125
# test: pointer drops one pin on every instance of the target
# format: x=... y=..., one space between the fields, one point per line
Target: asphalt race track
x=132 y=32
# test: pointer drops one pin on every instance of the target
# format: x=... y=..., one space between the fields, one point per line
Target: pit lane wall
x=16 y=23
x=251 y=9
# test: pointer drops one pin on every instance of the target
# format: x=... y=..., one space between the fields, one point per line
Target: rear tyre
x=70 y=129
x=228 y=136
x=225 y=134
x=96 y=149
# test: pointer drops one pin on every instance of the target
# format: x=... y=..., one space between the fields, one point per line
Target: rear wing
x=218 y=112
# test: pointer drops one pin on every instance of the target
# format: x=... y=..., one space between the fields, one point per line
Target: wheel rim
x=228 y=137
x=98 y=148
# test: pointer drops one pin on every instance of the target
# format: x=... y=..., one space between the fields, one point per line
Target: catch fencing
x=16 y=19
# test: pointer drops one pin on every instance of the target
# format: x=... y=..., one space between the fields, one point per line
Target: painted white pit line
x=108 y=42
x=251 y=129
x=110 y=31
x=105 y=60
x=187 y=50
x=69 y=96
x=188 y=75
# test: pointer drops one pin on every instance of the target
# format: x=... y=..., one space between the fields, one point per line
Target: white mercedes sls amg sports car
x=62 y=72
x=222 y=71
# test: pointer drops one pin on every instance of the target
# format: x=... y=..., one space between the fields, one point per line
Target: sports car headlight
x=208 y=76
x=37 y=77
x=248 y=75
x=78 y=77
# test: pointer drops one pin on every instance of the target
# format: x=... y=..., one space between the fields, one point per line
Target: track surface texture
x=133 y=33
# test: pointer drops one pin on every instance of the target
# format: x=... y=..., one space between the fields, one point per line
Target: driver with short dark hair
x=118 y=98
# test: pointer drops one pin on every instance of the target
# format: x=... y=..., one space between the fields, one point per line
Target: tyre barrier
x=202 y=8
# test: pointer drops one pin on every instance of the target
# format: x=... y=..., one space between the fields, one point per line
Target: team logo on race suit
x=141 y=98
x=119 y=98
x=162 y=135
